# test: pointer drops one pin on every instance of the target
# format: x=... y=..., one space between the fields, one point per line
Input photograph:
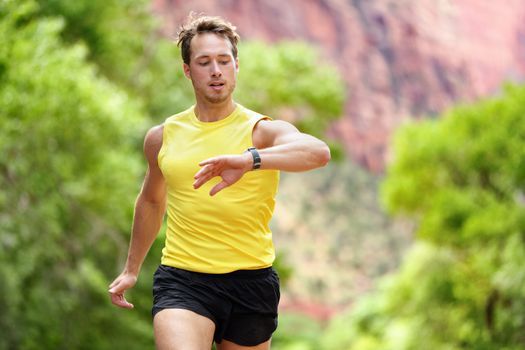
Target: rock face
x=400 y=58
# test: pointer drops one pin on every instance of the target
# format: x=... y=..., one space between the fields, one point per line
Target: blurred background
x=412 y=238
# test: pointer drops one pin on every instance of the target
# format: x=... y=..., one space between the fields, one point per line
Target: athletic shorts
x=242 y=304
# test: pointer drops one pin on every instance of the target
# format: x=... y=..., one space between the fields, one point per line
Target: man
x=215 y=168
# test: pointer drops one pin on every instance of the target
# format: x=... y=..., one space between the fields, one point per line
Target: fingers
x=203 y=176
x=221 y=185
x=206 y=170
x=200 y=182
x=118 y=286
x=114 y=283
x=120 y=301
x=117 y=289
x=211 y=169
x=224 y=166
x=209 y=161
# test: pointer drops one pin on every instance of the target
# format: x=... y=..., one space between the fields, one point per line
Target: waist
x=238 y=274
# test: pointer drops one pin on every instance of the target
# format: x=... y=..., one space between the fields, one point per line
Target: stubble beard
x=214 y=98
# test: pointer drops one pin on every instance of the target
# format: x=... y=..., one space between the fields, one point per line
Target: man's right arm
x=147 y=220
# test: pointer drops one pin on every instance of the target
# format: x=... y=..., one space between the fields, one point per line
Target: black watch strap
x=256 y=158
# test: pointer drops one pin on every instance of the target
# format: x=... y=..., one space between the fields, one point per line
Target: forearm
x=299 y=155
x=147 y=221
x=293 y=152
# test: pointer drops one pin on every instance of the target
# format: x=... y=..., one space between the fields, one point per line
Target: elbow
x=151 y=201
x=327 y=156
x=324 y=156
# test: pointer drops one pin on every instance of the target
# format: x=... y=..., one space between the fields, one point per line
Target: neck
x=212 y=112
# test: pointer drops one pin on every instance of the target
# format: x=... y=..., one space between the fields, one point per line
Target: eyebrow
x=208 y=56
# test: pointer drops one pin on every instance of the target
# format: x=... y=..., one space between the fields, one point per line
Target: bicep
x=268 y=133
x=154 y=186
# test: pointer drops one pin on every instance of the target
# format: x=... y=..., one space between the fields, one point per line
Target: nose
x=215 y=70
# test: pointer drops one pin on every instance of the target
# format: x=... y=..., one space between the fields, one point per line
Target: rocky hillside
x=400 y=58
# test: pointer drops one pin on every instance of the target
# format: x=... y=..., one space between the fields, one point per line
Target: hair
x=198 y=24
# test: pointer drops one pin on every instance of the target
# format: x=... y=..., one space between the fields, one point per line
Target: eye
x=203 y=63
x=224 y=62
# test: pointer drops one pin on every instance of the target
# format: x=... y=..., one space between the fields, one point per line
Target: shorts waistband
x=241 y=274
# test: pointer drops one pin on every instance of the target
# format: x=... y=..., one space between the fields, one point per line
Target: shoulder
x=153 y=141
x=183 y=115
x=251 y=117
x=155 y=135
x=266 y=131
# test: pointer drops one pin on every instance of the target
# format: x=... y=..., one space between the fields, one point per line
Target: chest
x=184 y=148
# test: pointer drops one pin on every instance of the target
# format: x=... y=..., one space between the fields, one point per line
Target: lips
x=216 y=85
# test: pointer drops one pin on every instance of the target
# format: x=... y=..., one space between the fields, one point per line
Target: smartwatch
x=256 y=158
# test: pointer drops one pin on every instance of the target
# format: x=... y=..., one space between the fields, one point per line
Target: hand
x=229 y=167
x=117 y=288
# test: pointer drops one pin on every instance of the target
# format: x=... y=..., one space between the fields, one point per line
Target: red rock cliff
x=400 y=58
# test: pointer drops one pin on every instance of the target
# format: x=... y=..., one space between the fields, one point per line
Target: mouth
x=216 y=85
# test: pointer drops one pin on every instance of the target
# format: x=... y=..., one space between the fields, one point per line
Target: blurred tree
x=462 y=178
x=296 y=332
x=68 y=174
x=124 y=42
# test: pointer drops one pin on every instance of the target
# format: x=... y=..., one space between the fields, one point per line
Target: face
x=212 y=69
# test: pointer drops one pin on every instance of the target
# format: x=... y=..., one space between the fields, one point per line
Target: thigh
x=228 y=345
x=182 y=329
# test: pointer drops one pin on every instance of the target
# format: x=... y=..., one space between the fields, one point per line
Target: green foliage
x=113 y=31
x=69 y=172
x=296 y=332
x=461 y=178
x=123 y=40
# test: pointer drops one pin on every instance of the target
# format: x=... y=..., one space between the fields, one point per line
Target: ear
x=186 y=68
x=237 y=64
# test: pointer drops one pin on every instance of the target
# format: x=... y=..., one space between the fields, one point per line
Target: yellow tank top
x=229 y=231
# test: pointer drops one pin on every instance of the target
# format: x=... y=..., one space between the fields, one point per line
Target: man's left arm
x=280 y=146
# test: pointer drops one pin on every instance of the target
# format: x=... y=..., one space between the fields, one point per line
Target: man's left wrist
x=256 y=158
x=248 y=161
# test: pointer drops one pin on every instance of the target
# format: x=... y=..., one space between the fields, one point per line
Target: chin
x=217 y=99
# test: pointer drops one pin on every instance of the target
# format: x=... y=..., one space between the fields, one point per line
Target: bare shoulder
x=153 y=142
x=266 y=132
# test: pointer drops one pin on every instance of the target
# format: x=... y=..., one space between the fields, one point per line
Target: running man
x=214 y=168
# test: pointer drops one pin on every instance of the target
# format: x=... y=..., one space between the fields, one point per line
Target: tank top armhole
x=162 y=149
x=253 y=123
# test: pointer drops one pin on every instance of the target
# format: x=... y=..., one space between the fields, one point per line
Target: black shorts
x=242 y=304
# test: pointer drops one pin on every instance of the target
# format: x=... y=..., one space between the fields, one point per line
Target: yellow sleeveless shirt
x=229 y=231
